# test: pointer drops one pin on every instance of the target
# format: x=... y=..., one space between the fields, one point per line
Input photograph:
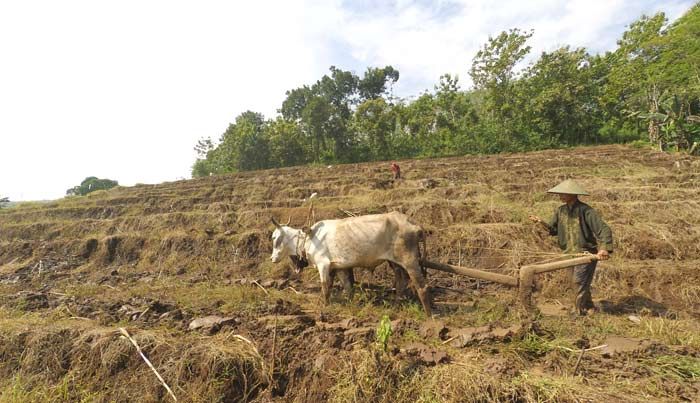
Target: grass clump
x=682 y=368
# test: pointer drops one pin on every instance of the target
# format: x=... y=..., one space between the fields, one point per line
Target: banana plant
x=672 y=122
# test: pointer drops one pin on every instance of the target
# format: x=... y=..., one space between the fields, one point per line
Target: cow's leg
x=325 y=275
x=331 y=280
x=414 y=272
x=400 y=280
x=347 y=279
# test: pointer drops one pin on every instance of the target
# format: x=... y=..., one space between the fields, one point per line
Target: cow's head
x=284 y=241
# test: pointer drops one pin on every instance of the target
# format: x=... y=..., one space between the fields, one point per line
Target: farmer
x=579 y=228
x=396 y=170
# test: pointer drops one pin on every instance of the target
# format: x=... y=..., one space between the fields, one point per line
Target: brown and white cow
x=365 y=241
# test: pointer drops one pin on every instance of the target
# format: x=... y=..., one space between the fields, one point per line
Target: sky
x=124 y=89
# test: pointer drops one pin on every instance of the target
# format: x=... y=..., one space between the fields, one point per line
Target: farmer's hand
x=603 y=255
x=535 y=219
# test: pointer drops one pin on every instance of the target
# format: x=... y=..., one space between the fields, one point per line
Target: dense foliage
x=91 y=184
x=647 y=89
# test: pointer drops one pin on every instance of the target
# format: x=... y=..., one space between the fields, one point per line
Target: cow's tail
x=423 y=254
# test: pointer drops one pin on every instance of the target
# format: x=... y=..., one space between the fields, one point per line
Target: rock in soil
x=618 y=345
x=425 y=355
x=358 y=334
x=211 y=324
x=475 y=335
x=433 y=329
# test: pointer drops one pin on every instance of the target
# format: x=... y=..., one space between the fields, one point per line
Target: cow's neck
x=300 y=244
x=298 y=255
x=297 y=239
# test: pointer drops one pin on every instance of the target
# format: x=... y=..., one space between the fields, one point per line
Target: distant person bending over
x=579 y=228
x=396 y=170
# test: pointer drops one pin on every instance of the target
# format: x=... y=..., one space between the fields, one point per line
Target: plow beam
x=480 y=274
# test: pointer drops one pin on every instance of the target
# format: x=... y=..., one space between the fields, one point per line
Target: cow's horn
x=275 y=222
x=289 y=221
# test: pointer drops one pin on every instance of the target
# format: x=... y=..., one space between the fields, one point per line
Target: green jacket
x=580 y=228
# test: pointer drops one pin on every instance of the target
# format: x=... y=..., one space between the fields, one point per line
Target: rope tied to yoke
x=300 y=260
x=301 y=243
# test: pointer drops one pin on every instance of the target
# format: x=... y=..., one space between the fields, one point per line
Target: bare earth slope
x=152 y=258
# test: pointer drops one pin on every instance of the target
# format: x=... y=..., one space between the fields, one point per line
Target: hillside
x=152 y=258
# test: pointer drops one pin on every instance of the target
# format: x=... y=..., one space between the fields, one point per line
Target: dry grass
x=369 y=376
x=187 y=244
x=98 y=361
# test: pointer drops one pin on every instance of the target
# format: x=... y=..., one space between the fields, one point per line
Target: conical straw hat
x=568 y=187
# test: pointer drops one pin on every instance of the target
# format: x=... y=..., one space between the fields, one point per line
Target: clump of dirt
x=252 y=244
x=615 y=345
x=121 y=249
x=30 y=300
x=89 y=248
x=645 y=246
x=425 y=355
x=475 y=335
x=53 y=266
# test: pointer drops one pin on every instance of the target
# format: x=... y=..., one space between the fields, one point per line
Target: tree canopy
x=647 y=89
x=91 y=184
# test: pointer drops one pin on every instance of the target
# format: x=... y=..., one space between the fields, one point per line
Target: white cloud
x=124 y=89
x=424 y=43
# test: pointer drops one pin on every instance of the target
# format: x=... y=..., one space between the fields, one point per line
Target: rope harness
x=301 y=241
x=299 y=260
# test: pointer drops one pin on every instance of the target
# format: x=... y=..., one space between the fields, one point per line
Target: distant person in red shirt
x=396 y=170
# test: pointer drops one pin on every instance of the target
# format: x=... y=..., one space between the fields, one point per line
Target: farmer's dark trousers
x=583 y=277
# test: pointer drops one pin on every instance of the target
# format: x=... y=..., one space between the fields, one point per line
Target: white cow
x=365 y=241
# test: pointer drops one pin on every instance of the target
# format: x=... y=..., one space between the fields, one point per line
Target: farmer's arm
x=600 y=229
x=551 y=226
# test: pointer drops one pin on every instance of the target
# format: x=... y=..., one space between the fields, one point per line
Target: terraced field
x=158 y=259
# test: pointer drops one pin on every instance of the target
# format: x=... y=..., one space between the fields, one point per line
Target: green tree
x=418 y=123
x=654 y=76
x=243 y=145
x=295 y=102
x=287 y=143
x=374 y=122
x=493 y=69
x=339 y=90
x=4 y=201
x=374 y=83
x=559 y=98
x=91 y=184
x=203 y=164
x=649 y=86
x=455 y=116
x=324 y=111
x=631 y=85
x=315 y=119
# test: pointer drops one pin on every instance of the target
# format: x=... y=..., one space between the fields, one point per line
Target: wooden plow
x=526 y=280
